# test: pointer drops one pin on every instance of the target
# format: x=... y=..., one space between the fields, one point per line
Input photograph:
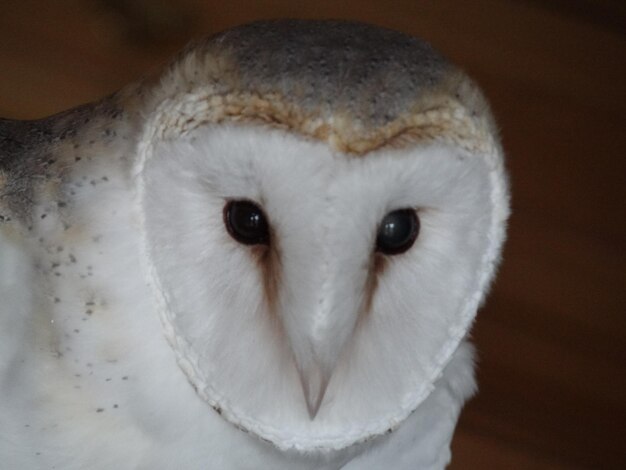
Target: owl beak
x=316 y=364
x=317 y=331
x=314 y=383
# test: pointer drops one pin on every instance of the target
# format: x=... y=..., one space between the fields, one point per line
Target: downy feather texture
x=136 y=332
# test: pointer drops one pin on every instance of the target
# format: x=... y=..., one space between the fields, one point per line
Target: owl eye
x=246 y=223
x=397 y=232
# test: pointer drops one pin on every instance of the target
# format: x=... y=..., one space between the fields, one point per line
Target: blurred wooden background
x=552 y=337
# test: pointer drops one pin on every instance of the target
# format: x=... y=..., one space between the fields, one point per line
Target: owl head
x=321 y=206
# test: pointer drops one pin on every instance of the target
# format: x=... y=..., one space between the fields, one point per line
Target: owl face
x=311 y=296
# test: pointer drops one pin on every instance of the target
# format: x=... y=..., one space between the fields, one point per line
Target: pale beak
x=314 y=383
x=318 y=330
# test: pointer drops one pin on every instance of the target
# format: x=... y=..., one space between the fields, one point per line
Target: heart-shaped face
x=310 y=296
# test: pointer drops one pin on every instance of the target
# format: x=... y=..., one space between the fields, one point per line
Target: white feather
x=131 y=316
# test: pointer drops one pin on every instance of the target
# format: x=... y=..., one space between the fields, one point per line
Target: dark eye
x=246 y=222
x=397 y=232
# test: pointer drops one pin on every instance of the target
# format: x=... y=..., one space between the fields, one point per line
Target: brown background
x=551 y=338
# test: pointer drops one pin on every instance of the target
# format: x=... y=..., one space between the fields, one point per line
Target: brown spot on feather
x=267 y=258
x=378 y=265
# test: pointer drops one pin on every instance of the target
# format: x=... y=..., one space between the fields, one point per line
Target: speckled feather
x=372 y=73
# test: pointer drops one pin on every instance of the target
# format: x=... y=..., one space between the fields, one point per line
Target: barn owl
x=268 y=257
